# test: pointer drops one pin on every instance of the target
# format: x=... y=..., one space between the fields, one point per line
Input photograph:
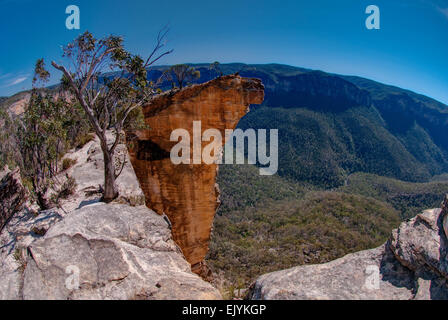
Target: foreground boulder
x=188 y=193
x=24 y=222
x=110 y=252
x=21 y=230
x=413 y=264
x=122 y=250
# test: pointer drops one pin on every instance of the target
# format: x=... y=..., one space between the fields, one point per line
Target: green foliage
x=68 y=188
x=67 y=163
x=83 y=139
x=320 y=227
x=406 y=197
x=40 y=73
x=108 y=99
x=266 y=224
x=8 y=142
x=20 y=258
x=38 y=139
x=41 y=134
x=241 y=186
x=135 y=120
x=182 y=74
x=323 y=148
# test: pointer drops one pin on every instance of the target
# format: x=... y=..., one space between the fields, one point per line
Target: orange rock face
x=187 y=193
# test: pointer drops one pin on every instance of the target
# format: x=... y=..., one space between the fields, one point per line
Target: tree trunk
x=110 y=187
x=42 y=200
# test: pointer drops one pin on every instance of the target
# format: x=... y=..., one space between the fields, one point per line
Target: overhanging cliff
x=187 y=193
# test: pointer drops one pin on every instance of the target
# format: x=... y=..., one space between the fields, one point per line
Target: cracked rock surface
x=110 y=251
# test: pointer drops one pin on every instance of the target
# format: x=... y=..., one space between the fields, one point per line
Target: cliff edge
x=83 y=249
x=187 y=193
x=412 y=264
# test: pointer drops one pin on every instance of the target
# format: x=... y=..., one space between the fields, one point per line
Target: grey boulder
x=412 y=264
x=110 y=251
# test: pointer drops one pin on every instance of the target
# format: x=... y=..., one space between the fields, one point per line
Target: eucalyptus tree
x=41 y=136
x=109 y=83
x=182 y=73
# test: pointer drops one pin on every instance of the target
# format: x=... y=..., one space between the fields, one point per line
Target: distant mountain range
x=332 y=125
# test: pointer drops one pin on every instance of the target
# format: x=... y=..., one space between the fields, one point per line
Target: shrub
x=20 y=258
x=67 y=163
x=68 y=188
x=83 y=139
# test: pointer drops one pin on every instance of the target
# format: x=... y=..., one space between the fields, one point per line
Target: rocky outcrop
x=188 y=194
x=23 y=228
x=12 y=195
x=88 y=172
x=28 y=224
x=413 y=264
x=19 y=230
x=110 y=251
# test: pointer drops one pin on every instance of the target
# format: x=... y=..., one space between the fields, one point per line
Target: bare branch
x=123 y=164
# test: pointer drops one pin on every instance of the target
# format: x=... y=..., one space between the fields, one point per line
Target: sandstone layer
x=413 y=264
x=187 y=193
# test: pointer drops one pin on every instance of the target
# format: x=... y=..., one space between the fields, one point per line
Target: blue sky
x=410 y=50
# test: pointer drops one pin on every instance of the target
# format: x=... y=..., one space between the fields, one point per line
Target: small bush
x=68 y=188
x=84 y=139
x=20 y=258
x=39 y=231
x=67 y=163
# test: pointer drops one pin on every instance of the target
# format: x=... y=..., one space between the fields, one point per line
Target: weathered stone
x=411 y=265
x=16 y=236
x=445 y=216
x=187 y=193
x=12 y=196
x=121 y=252
x=344 y=278
x=29 y=224
x=88 y=172
x=420 y=243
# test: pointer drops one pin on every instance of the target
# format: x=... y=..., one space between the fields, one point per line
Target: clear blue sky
x=410 y=50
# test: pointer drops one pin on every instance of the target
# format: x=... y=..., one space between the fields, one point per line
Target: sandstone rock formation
x=121 y=252
x=413 y=264
x=188 y=194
